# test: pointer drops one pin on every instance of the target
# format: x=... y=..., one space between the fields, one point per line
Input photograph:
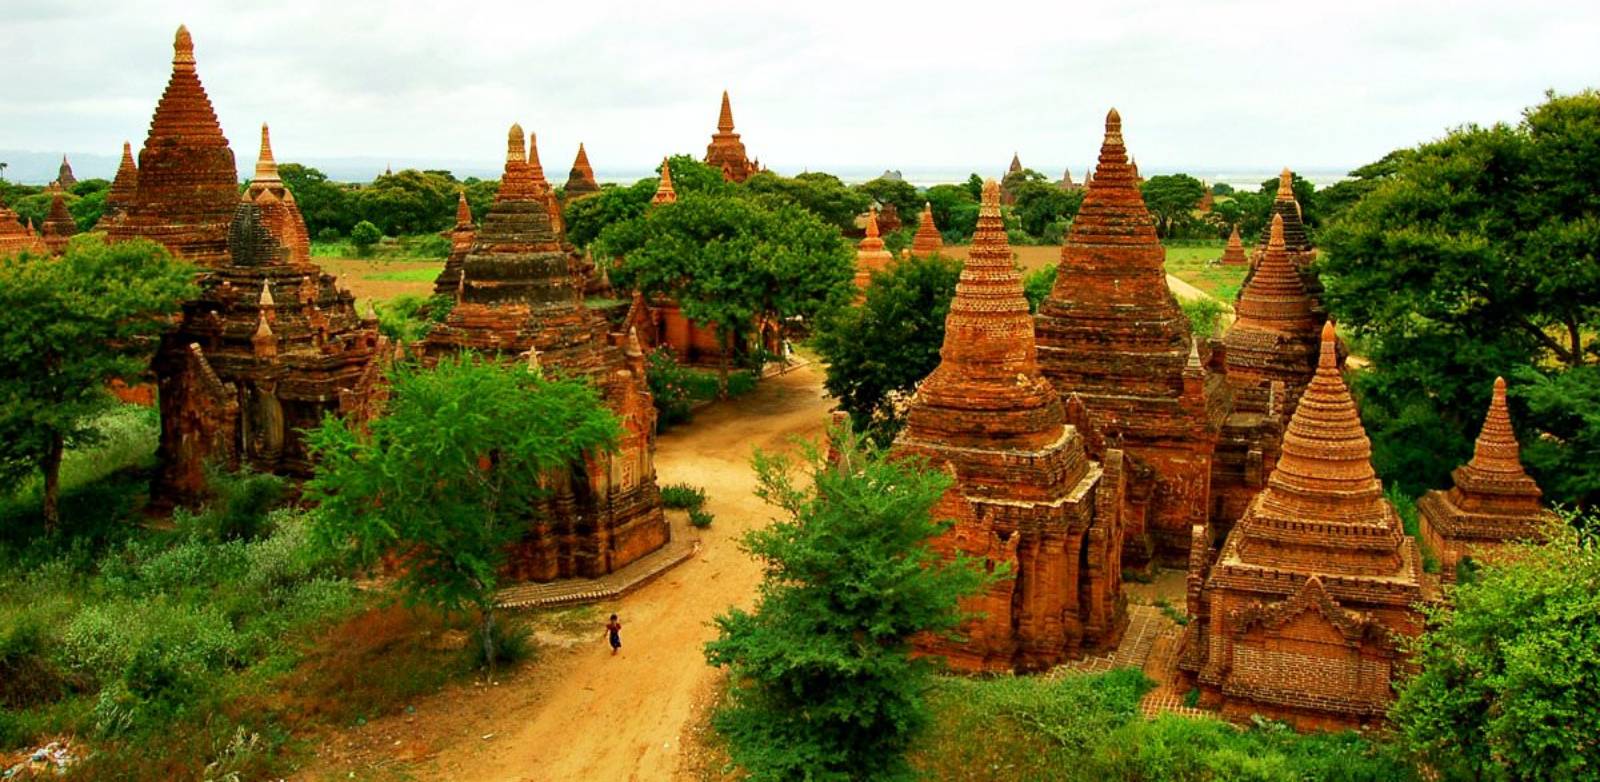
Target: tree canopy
x=1172 y=199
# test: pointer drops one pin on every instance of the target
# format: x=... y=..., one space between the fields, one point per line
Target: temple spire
x=725 y=119
x=463 y=210
x=1496 y=449
x=183 y=50
x=927 y=240
x=664 y=192
x=533 y=160
x=1285 y=185
x=266 y=167
x=1275 y=296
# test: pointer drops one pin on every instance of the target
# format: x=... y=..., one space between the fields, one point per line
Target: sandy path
x=598 y=717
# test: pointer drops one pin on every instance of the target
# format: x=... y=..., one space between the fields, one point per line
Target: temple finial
x=872 y=223
x=1329 y=357
x=725 y=119
x=515 y=151
x=1286 y=184
x=266 y=167
x=183 y=47
x=1275 y=241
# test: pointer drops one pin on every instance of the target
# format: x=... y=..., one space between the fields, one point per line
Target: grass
x=683 y=496
x=420 y=247
x=407 y=275
x=1193 y=263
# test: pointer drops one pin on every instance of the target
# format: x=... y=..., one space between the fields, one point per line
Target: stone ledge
x=573 y=591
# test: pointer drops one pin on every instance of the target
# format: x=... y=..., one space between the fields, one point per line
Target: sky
x=816 y=84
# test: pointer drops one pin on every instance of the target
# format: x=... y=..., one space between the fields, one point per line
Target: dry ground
x=375 y=281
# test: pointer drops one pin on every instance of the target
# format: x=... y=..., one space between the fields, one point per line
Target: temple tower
x=123 y=189
x=1233 y=254
x=580 y=180
x=664 y=192
x=1275 y=334
x=1026 y=493
x=726 y=151
x=870 y=254
x=461 y=237
x=59 y=227
x=926 y=241
x=64 y=179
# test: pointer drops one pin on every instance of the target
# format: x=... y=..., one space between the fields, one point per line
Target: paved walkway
x=684 y=545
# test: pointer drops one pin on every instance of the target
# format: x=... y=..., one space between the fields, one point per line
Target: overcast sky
x=884 y=84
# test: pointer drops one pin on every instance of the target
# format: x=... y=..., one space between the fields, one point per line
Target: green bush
x=430 y=246
x=238 y=507
x=329 y=235
x=681 y=496
x=513 y=643
x=1205 y=316
x=700 y=519
x=1036 y=285
x=365 y=236
x=669 y=386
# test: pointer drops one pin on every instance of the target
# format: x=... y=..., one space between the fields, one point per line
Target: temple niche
x=1492 y=502
x=120 y=196
x=59 y=227
x=1297 y=616
x=461 y=237
x=1027 y=494
x=187 y=189
x=519 y=298
x=580 y=180
x=1111 y=332
x=871 y=256
x=926 y=241
x=726 y=151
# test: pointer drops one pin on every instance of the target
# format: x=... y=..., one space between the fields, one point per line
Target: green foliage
x=700 y=518
x=1222 y=189
x=1333 y=200
x=325 y=205
x=689 y=175
x=1510 y=670
x=1205 y=315
x=683 y=496
x=365 y=236
x=587 y=217
x=1041 y=205
x=955 y=212
x=67 y=328
x=823 y=683
x=406 y=318
x=450 y=475
x=889 y=342
x=408 y=202
x=238 y=507
x=824 y=195
x=1474 y=258
x=907 y=202
x=670 y=387
x=1172 y=200
x=1036 y=285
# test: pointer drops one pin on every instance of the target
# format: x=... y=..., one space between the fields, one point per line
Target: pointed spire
x=1234 y=255
x=533 y=160
x=870 y=253
x=266 y=167
x=1285 y=185
x=633 y=348
x=517 y=183
x=463 y=210
x=1016 y=164
x=580 y=180
x=182 y=50
x=59 y=225
x=1275 y=297
x=1192 y=365
x=265 y=300
x=664 y=192
x=927 y=240
x=725 y=118
x=1496 y=449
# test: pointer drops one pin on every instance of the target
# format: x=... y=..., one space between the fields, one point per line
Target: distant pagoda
x=926 y=241
x=1026 y=496
x=1233 y=254
x=64 y=179
x=726 y=151
x=580 y=181
x=664 y=192
x=59 y=227
x=871 y=256
x=188 y=187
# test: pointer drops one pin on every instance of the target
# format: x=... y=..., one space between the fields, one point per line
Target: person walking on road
x=614 y=631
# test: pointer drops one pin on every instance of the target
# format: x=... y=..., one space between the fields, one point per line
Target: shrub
x=700 y=518
x=329 y=235
x=669 y=386
x=1205 y=316
x=680 y=496
x=513 y=643
x=238 y=508
x=430 y=246
x=1036 y=285
x=365 y=236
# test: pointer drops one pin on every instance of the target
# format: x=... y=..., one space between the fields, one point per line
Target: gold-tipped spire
x=183 y=48
x=266 y=167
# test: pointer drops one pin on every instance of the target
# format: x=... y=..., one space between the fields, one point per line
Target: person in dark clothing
x=614 y=630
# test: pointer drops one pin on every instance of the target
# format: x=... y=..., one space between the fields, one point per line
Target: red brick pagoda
x=870 y=254
x=16 y=238
x=519 y=299
x=123 y=187
x=461 y=238
x=580 y=181
x=1026 y=496
x=1493 y=502
x=187 y=188
x=1297 y=616
x=1274 y=336
x=64 y=179
x=926 y=241
x=1233 y=254
x=59 y=226
x=1112 y=333
x=726 y=151
x=664 y=192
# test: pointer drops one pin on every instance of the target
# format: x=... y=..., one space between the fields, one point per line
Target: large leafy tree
x=452 y=473
x=955 y=212
x=1510 y=670
x=1172 y=199
x=322 y=203
x=731 y=262
x=824 y=686
x=907 y=202
x=824 y=195
x=68 y=327
x=409 y=202
x=889 y=342
x=1040 y=204
x=587 y=217
x=1477 y=257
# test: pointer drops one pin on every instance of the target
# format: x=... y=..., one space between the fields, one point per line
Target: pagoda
x=187 y=188
x=726 y=151
x=1066 y=184
x=59 y=227
x=1111 y=332
x=870 y=254
x=1274 y=336
x=269 y=347
x=64 y=179
x=580 y=181
x=1234 y=255
x=1013 y=171
x=461 y=237
x=120 y=197
x=519 y=300
x=1492 y=504
x=664 y=192
x=16 y=238
x=926 y=241
x=1026 y=495
x=1296 y=616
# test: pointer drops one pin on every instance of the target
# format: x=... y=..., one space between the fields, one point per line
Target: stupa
x=123 y=187
x=1013 y=172
x=580 y=181
x=870 y=254
x=461 y=237
x=270 y=347
x=1066 y=183
x=1492 y=504
x=518 y=300
x=1111 y=332
x=726 y=151
x=664 y=192
x=926 y=241
x=1026 y=494
x=1297 y=615
x=16 y=238
x=1274 y=336
x=58 y=226
x=64 y=179
x=1233 y=254
x=187 y=188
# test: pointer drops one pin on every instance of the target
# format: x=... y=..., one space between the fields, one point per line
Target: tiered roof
x=726 y=151
x=1234 y=254
x=580 y=181
x=461 y=237
x=664 y=192
x=123 y=189
x=279 y=212
x=64 y=178
x=58 y=225
x=1275 y=334
x=870 y=253
x=927 y=240
x=1295 y=237
x=1492 y=499
x=15 y=237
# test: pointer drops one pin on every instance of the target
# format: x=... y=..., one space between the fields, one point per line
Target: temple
x=16 y=238
x=270 y=347
x=120 y=197
x=461 y=236
x=1296 y=617
x=59 y=227
x=187 y=189
x=1492 y=504
x=580 y=181
x=664 y=192
x=726 y=151
x=1233 y=254
x=926 y=241
x=1111 y=333
x=64 y=179
x=519 y=299
x=871 y=256
x=1027 y=496
x=1274 y=336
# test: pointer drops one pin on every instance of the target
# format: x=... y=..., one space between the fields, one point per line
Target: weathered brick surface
x=461 y=237
x=123 y=188
x=1275 y=334
x=58 y=226
x=1233 y=254
x=14 y=236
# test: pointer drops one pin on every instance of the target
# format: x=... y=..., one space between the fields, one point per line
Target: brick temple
x=1027 y=495
x=518 y=298
x=461 y=236
x=580 y=180
x=664 y=192
x=870 y=254
x=269 y=347
x=64 y=177
x=926 y=241
x=119 y=198
x=1297 y=616
x=59 y=227
x=726 y=151
x=1275 y=333
x=1233 y=254
x=16 y=238
x=187 y=188
x=1492 y=502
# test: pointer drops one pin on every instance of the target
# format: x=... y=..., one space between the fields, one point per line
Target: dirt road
x=591 y=716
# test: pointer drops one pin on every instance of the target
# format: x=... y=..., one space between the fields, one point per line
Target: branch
x=1566 y=356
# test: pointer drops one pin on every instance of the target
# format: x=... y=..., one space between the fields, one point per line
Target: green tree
x=1171 y=199
x=907 y=202
x=1476 y=258
x=1041 y=204
x=824 y=195
x=732 y=263
x=322 y=203
x=954 y=212
x=1510 y=670
x=823 y=683
x=587 y=217
x=1333 y=200
x=689 y=175
x=1036 y=284
x=67 y=328
x=452 y=474
x=889 y=342
x=365 y=236
x=409 y=202
x=1222 y=189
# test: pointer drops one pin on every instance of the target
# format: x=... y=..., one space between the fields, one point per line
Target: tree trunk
x=51 y=466
x=488 y=638
x=727 y=358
